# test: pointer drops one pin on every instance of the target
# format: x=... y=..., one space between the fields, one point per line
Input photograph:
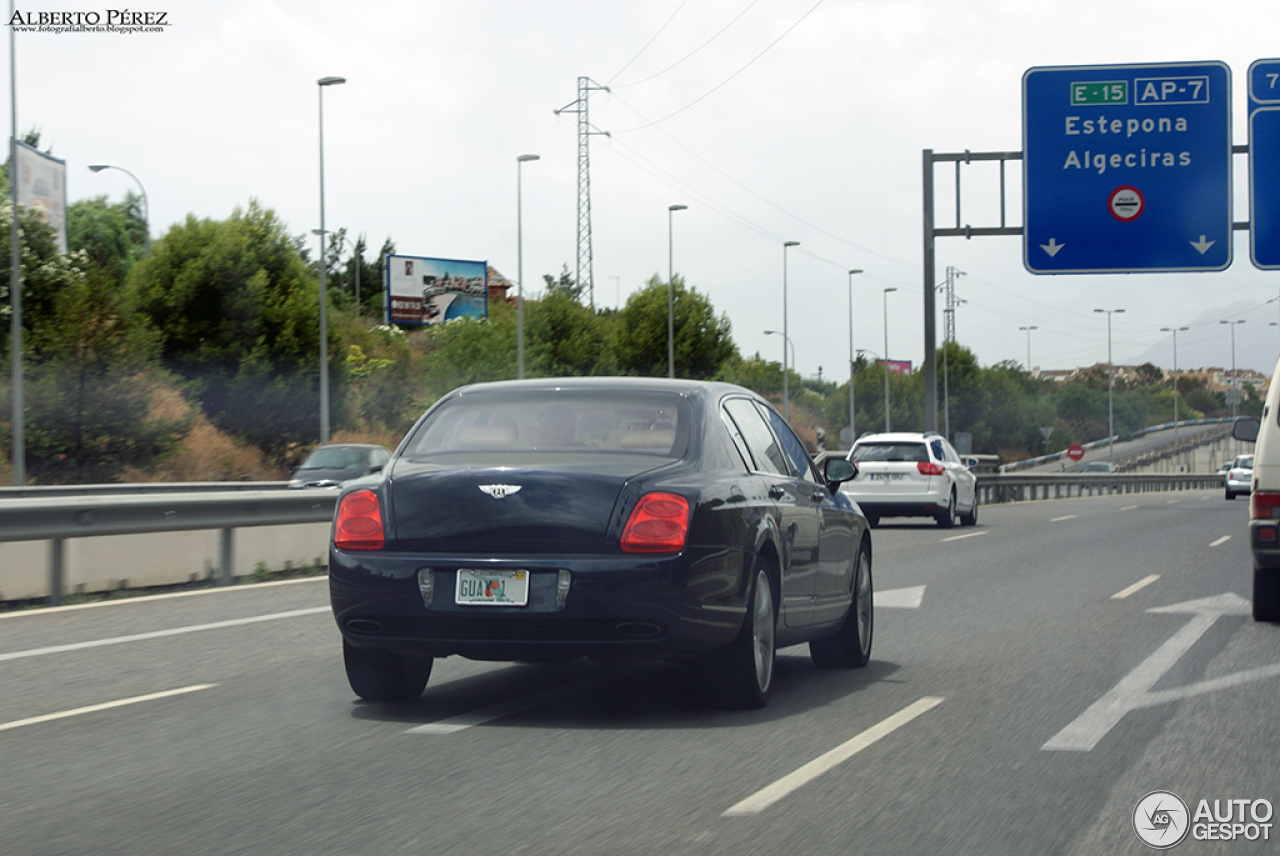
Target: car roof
x=899 y=437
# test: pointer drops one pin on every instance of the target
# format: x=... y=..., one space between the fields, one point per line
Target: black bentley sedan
x=606 y=517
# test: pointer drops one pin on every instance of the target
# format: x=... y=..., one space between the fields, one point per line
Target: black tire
x=1230 y=495
x=851 y=647
x=377 y=675
x=971 y=519
x=873 y=519
x=1266 y=595
x=947 y=519
x=744 y=672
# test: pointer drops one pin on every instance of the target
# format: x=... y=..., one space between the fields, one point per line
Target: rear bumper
x=617 y=606
x=907 y=506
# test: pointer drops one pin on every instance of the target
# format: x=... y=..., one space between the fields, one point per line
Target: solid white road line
x=159 y=634
x=93 y=708
x=762 y=799
x=519 y=705
x=1224 y=539
x=959 y=537
x=1067 y=517
x=54 y=610
x=1140 y=584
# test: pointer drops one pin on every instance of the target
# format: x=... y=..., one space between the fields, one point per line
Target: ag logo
x=500 y=491
x=1161 y=819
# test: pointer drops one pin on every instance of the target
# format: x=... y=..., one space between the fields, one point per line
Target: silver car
x=912 y=475
x=1239 y=477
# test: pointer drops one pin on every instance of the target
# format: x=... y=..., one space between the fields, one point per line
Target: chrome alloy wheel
x=762 y=631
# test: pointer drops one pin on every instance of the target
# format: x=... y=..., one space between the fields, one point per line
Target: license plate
x=492 y=588
x=888 y=476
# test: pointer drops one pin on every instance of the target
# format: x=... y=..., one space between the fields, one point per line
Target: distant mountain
x=1208 y=342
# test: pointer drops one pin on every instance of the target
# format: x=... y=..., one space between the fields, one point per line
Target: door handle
x=817 y=496
x=776 y=492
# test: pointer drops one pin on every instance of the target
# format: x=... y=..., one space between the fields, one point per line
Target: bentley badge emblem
x=500 y=491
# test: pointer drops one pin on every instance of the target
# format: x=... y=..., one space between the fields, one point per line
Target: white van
x=1264 y=502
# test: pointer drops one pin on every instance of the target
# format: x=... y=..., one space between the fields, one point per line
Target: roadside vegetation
x=198 y=359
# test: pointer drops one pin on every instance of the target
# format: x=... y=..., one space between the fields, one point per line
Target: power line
x=646 y=44
x=732 y=76
x=695 y=50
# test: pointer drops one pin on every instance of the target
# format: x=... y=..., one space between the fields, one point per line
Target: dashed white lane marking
x=958 y=537
x=902 y=598
x=1129 y=508
x=1066 y=517
x=1140 y=584
x=762 y=799
x=160 y=634
x=1224 y=539
x=518 y=705
x=93 y=708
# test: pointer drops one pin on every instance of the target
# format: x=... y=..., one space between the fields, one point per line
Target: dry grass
x=207 y=454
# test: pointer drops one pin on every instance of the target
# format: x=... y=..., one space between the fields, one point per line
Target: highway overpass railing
x=1019 y=487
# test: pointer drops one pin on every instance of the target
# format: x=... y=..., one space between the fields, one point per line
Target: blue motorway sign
x=1264 y=163
x=1127 y=168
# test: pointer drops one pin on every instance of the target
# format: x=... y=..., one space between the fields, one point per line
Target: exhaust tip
x=638 y=630
x=364 y=626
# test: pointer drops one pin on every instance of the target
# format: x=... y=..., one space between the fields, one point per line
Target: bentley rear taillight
x=659 y=524
x=359 y=522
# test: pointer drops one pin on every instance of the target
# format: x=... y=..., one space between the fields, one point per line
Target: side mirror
x=970 y=462
x=838 y=470
x=1245 y=428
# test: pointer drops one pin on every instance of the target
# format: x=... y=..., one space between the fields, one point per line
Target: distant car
x=612 y=518
x=906 y=474
x=1240 y=476
x=1099 y=467
x=330 y=466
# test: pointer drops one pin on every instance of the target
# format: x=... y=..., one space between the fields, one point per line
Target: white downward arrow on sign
x=1202 y=245
x=1134 y=690
x=1053 y=246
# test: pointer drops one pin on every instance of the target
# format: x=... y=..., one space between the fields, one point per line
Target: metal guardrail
x=138 y=489
x=1056 y=456
x=1017 y=487
x=56 y=518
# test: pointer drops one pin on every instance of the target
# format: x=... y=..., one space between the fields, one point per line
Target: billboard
x=898 y=367
x=42 y=186
x=431 y=291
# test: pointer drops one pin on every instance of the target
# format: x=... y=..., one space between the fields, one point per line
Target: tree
x=702 y=339
x=236 y=314
x=112 y=237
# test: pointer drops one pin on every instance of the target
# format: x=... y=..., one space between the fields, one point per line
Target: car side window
x=936 y=446
x=757 y=436
x=791 y=445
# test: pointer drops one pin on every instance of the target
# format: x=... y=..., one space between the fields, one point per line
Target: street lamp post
x=324 y=294
x=1029 y=329
x=146 y=206
x=1111 y=383
x=785 y=395
x=786 y=340
x=671 y=298
x=521 y=160
x=1174 y=331
x=887 y=421
x=1235 y=380
x=853 y=434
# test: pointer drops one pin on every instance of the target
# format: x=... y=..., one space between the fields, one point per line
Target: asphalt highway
x=1023 y=696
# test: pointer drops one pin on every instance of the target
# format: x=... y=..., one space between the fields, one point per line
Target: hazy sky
x=773 y=120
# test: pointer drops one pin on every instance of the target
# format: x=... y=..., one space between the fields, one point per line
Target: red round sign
x=1075 y=452
x=1126 y=203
